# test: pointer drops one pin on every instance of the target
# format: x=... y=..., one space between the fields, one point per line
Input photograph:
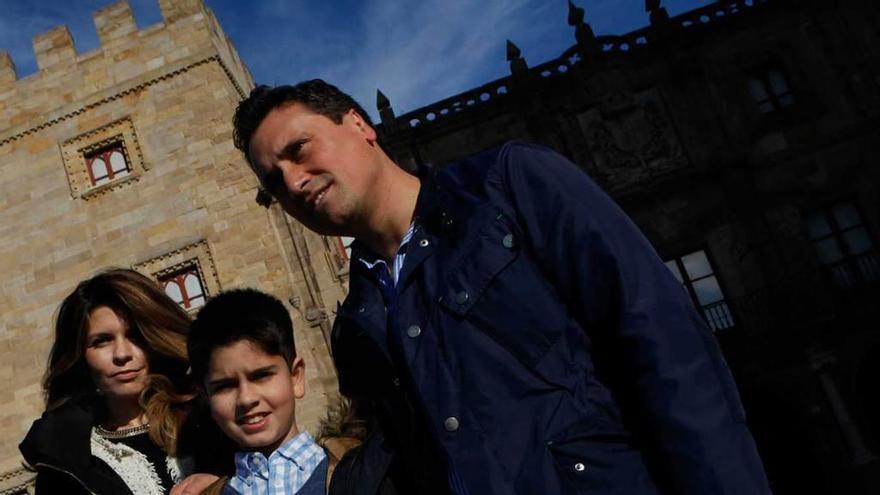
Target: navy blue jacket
x=536 y=344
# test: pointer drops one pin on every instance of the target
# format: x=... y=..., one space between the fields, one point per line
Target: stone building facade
x=123 y=156
x=742 y=138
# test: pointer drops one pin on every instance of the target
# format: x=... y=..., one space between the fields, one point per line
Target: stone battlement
x=189 y=33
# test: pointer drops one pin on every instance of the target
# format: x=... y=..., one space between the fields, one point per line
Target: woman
x=117 y=393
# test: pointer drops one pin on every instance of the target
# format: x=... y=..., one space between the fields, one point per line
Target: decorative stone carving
x=631 y=138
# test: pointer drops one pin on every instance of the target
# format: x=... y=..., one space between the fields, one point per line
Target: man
x=507 y=326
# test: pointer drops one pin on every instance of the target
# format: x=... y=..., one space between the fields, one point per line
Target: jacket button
x=579 y=467
x=451 y=424
x=508 y=241
x=423 y=243
x=413 y=331
x=461 y=297
x=362 y=309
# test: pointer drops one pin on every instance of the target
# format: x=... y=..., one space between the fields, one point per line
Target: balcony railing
x=802 y=302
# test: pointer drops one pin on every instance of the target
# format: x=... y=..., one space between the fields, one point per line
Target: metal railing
x=803 y=301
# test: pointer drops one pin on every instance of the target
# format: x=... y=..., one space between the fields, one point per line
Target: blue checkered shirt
x=284 y=472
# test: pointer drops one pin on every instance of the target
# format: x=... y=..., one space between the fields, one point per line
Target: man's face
x=322 y=173
x=252 y=395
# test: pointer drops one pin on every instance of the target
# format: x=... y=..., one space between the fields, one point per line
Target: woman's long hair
x=154 y=320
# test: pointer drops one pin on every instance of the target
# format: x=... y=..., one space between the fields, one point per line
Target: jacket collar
x=61 y=439
x=441 y=207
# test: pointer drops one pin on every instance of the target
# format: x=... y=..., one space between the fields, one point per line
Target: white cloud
x=415 y=52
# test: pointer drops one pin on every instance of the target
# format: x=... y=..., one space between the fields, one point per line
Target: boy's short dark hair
x=236 y=315
x=316 y=95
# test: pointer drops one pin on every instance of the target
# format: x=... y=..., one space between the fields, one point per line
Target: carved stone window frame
x=198 y=254
x=337 y=257
x=75 y=150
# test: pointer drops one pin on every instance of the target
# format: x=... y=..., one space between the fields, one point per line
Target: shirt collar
x=298 y=450
x=370 y=259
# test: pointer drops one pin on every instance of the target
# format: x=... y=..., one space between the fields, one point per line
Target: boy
x=242 y=352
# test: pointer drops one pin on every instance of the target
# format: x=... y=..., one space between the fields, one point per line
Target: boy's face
x=252 y=395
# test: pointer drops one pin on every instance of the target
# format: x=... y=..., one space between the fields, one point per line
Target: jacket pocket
x=596 y=456
x=497 y=288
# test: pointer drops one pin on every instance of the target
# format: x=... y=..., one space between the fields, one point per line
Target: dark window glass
x=771 y=91
x=844 y=245
x=697 y=276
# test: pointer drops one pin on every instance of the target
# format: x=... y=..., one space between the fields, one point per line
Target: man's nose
x=296 y=178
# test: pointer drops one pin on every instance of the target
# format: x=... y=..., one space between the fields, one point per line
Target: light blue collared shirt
x=284 y=472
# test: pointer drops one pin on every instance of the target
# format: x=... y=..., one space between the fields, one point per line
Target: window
x=771 y=91
x=696 y=275
x=103 y=160
x=187 y=274
x=343 y=244
x=843 y=245
x=106 y=164
x=338 y=254
x=185 y=287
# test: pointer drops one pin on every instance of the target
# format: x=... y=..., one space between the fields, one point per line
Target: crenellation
x=188 y=37
x=114 y=21
x=7 y=68
x=53 y=47
x=172 y=10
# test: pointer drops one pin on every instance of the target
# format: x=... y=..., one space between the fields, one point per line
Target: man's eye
x=273 y=183
x=294 y=150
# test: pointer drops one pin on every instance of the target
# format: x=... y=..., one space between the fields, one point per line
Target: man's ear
x=298 y=377
x=365 y=128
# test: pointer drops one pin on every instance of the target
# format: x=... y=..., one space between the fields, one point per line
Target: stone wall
x=168 y=92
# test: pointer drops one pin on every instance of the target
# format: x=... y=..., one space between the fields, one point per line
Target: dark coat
x=536 y=344
x=362 y=469
x=58 y=447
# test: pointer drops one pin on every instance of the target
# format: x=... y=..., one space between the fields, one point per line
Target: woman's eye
x=98 y=341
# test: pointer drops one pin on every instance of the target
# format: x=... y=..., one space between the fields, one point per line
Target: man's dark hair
x=316 y=95
x=234 y=316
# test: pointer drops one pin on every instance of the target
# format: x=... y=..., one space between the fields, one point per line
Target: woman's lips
x=126 y=375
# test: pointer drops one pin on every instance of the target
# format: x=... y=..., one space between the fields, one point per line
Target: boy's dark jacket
x=536 y=336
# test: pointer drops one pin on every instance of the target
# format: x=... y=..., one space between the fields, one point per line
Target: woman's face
x=118 y=364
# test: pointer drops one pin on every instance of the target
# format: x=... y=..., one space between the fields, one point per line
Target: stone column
x=821 y=361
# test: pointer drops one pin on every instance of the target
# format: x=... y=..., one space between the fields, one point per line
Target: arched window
x=185 y=287
x=107 y=163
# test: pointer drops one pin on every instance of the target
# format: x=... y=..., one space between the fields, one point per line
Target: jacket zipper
x=56 y=468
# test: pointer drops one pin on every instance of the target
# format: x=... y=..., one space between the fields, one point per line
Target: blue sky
x=415 y=51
